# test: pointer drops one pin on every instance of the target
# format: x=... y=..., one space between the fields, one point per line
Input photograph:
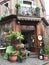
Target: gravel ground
x=28 y=61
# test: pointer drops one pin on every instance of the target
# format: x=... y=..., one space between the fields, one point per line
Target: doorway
x=29 y=39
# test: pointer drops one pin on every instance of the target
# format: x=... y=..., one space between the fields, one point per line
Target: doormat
x=46 y=63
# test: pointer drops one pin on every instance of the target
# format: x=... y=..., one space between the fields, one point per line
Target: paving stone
x=28 y=61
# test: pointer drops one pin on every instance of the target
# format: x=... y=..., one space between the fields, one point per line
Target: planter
x=45 y=57
x=12 y=58
x=41 y=57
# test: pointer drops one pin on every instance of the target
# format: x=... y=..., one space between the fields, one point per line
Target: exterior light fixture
x=18 y=22
x=39 y=37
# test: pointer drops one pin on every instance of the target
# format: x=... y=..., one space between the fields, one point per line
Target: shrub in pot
x=20 y=58
x=8 y=51
x=46 y=52
x=13 y=56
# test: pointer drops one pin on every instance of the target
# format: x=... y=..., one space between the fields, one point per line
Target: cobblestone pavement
x=28 y=61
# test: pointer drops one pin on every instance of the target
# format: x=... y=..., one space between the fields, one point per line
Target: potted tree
x=46 y=52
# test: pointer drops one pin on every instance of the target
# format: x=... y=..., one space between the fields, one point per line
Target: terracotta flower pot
x=45 y=57
x=12 y=58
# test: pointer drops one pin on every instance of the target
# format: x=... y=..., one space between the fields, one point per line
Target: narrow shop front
x=29 y=27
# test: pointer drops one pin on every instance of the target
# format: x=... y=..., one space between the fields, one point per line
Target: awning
x=28 y=18
x=23 y=20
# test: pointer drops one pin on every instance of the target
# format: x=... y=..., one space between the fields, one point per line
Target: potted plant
x=10 y=38
x=17 y=6
x=37 y=11
x=8 y=51
x=46 y=52
x=11 y=54
x=19 y=38
x=20 y=58
x=15 y=39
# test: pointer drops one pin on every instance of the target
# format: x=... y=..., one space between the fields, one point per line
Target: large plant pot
x=46 y=57
x=12 y=58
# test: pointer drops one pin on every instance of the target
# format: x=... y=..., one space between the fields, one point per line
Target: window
x=27 y=2
x=4 y=30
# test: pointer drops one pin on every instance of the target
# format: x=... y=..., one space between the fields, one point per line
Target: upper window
x=27 y=2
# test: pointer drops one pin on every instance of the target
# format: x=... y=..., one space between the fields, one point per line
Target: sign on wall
x=24 y=27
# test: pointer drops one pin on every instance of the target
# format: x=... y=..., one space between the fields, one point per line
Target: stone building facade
x=27 y=21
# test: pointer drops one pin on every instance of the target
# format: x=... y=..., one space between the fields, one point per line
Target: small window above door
x=27 y=2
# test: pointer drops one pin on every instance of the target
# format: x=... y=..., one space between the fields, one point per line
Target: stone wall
x=45 y=35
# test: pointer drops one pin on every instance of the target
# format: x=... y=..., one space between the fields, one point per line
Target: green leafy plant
x=20 y=58
x=10 y=36
x=37 y=9
x=14 y=52
x=17 y=5
x=17 y=35
x=46 y=50
x=10 y=51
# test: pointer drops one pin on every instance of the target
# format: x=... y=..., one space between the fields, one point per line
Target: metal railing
x=28 y=11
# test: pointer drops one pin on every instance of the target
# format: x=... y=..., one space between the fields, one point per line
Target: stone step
x=33 y=55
